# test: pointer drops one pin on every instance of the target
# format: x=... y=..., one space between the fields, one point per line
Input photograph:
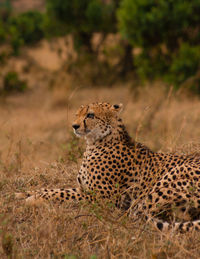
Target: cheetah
x=160 y=187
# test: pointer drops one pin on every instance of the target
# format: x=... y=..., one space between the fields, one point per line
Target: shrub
x=29 y=26
x=12 y=83
x=5 y=11
x=184 y=64
x=167 y=33
x=82 y=18
x=25 y=29
x=3 y=33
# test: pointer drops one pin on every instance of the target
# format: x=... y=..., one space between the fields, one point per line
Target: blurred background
x=99 y=42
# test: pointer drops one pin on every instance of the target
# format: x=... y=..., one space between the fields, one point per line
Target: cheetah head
x=96 y=120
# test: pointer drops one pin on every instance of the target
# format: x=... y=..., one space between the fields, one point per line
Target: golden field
x=38 y=149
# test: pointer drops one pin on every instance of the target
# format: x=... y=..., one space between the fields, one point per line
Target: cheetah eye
x=90 y=115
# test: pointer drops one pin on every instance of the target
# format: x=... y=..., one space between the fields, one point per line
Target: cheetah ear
x=117 y=107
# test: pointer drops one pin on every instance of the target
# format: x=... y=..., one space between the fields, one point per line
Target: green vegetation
x=25 y=29
x=165 y=33
x=12 y=83
x=82 y=18
x=20 y=29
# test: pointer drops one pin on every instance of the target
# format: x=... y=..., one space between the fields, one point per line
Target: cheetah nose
x=75 y=126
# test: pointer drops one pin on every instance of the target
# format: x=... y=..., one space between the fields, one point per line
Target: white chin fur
x=82 y=134
x=78 y=134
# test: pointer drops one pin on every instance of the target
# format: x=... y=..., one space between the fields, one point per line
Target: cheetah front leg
x=56 y=195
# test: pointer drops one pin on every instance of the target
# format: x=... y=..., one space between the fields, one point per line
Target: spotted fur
x=161 y=187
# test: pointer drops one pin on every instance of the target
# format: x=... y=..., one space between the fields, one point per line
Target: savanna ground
x=38 y=149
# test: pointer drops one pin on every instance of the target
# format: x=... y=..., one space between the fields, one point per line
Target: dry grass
x=39 y=150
